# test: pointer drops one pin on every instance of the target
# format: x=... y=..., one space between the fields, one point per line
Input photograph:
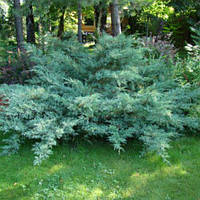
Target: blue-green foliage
x=112 y=92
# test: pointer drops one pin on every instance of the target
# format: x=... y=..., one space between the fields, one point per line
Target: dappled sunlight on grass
x=173 y=170
x=160 y=180
x=143 y=177
x=55 y=168
x=95 y=193
x=97 y=172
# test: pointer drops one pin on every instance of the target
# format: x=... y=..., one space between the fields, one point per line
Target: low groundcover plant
x=113 y=92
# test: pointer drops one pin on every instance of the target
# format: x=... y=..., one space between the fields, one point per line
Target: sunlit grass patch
x=96 y=171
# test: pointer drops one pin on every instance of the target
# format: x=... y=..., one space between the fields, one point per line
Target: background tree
x=61 y=22
x=30 y=22
x=116 y=24
x=80 y=21
x=18 y=25
x=101 y=12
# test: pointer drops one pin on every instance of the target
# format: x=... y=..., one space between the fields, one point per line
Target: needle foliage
x=113 y=92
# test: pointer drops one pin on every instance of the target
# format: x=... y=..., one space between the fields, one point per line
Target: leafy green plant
x=51 y=188
x=17 y=71
x=188 y=69
x=14 y=67
x=113 y=92
x=158 y=46
x=194 y=50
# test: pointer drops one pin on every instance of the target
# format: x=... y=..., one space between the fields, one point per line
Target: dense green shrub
x=14 y=67
x=194 y=50
x=113 y=92
x=158 y=46
x=188 y=69
x=17 y=72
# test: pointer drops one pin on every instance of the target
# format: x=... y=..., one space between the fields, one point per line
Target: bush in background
x=188 y=69
x=14 y=67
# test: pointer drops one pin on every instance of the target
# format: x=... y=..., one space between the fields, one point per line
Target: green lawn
x=92 y=172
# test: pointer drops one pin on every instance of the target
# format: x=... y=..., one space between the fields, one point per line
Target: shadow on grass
x=13 y=194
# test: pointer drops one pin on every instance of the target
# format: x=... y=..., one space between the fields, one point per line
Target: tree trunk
x=30 y=25
x=79 y=21
x=61 y=24
x=100 y=17
x=103 y=20
x=97 y=14
x=116 y=26
x=18 y=25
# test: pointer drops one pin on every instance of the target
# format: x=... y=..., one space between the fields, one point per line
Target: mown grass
x=92 y=172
